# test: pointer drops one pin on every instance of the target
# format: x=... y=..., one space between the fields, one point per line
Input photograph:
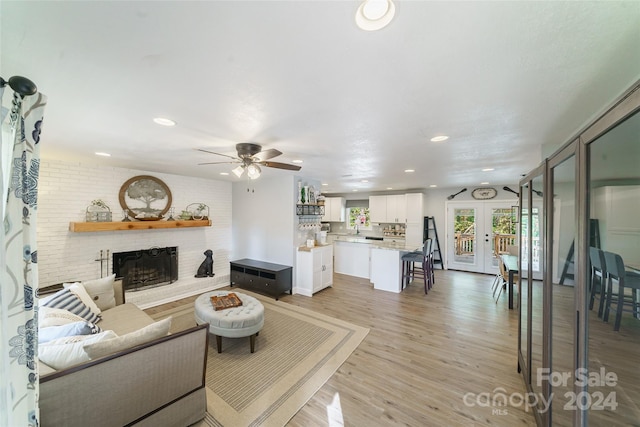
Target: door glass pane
x=522 y=283
x=535 y=287
x=615 y=228
x=563 y=313
x=503 y=230
x=465 y=235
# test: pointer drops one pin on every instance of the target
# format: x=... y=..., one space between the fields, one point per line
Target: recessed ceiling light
x=296 y=161
x=98 y=153
x=433 y=186
x=389 y=188
x=488 y=169
x=409 y=170
x=224 y=173
x=365 y=180
x=373 y=15
x=325 y=184
x=484 y=183
x=355 y=189
x=439 y=138
x=164 y=122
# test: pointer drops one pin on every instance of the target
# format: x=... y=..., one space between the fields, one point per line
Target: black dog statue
x=206 y=268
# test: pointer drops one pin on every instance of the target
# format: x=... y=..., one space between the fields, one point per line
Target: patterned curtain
x=20 y=153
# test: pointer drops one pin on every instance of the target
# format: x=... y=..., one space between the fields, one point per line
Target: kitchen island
x=378 y=261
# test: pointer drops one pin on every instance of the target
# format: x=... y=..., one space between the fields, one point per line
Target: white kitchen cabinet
x=314 y=270
x=397 y=208
x=415 y=219
x=387 y=209
x=334 y=209
x=414 y=207
x=378 y=209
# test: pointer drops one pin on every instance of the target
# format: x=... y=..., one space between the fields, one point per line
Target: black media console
x=262 y=277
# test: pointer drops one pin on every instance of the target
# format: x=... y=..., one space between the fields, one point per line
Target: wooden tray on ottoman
x=225 y=301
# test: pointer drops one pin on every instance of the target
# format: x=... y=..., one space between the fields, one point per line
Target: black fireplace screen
x=146 y=267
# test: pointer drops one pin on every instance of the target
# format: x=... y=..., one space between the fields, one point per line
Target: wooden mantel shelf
x=82 y=227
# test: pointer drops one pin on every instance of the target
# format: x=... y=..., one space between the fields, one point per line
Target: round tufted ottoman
x=243 y=321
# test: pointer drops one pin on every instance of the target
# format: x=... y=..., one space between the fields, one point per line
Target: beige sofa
x=159 y=383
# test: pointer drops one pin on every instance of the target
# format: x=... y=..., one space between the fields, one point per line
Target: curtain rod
x=22 y=85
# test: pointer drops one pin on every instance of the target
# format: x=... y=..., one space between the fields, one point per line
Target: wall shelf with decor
x=310 y=210
x=82 y=227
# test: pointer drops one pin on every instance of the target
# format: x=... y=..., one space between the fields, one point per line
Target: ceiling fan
x=251 y=157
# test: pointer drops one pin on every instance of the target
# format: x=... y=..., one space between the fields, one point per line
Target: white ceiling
x=500 y=78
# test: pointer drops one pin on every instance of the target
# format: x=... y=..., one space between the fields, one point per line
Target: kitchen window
x=358 y=216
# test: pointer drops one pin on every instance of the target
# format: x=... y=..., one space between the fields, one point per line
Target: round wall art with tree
x=145 y=198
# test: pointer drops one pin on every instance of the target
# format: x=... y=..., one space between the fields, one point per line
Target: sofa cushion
x=101 y=291
x=70 y=329
x=48 y=316
x=124 y=318
x=64 y=352
x=148 y=333
x=67 y=300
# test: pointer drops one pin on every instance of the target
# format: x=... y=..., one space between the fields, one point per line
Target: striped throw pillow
x=67 y=300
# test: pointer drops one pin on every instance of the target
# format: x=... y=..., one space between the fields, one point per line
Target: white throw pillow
x=62 y=353
x=67 y=300
x=78 y=290
x=148 y=333
x=101 y=291
x=49 y=316
x=76 y=328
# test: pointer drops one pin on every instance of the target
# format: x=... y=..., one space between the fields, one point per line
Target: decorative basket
x=97 y=213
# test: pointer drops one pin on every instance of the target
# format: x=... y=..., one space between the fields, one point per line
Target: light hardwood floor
x=423 y=354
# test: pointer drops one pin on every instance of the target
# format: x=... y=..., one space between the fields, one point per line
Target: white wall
x=263 y=220
x=66 y=189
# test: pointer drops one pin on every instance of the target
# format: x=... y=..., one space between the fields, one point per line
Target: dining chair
x=598 y=278
x=504 y=277
x=616 y=272
x=498 y=280
x=432 y=262
x=409 y=269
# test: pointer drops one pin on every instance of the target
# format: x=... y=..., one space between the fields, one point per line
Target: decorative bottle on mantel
x=302 y=196
x=305 y=195
x=300 y=192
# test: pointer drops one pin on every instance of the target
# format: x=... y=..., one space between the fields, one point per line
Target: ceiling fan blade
x=217 y=154
x=267 y=154
x=218 y=163
x=278 y=165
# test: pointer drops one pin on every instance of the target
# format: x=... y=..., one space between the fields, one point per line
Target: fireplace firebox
x=146 y=268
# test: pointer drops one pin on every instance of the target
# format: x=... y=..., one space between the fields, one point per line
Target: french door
x=471 y=230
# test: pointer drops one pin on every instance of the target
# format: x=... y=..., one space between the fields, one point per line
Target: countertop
x=305 y=248
x=398 y=246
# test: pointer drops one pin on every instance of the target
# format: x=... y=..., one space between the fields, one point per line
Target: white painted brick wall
x=66 y=189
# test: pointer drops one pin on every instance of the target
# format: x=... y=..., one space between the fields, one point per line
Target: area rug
x=296 y=352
